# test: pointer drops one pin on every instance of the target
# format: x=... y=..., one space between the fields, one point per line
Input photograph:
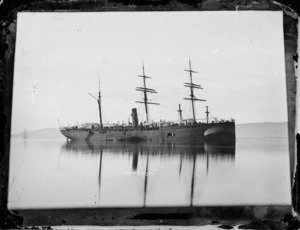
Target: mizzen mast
x=180 y=113
x=145 y=90
x=192 y=86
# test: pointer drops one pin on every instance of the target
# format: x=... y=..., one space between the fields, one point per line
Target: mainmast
x=192 y=86
x=145 y=90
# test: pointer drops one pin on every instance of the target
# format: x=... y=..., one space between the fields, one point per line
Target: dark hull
x=221 y=133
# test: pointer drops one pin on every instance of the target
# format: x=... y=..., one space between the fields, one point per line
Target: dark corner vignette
x=8 y=20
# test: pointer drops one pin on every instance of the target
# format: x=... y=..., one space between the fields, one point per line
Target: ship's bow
x=220 y=133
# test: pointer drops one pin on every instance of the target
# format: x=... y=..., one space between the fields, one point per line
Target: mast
x=145 y=90
x=99 y=105
x=207 y=113
x=180 y=113
x=25 y=134
x=192 y=86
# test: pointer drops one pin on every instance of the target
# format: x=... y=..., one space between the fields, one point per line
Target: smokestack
x=135 y=120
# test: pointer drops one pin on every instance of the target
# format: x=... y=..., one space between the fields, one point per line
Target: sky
x=60 y=57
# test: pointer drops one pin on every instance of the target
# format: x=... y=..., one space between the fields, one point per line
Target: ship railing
x=190 y=122
x=222 y=121
x=150 y=127
x=129 y=128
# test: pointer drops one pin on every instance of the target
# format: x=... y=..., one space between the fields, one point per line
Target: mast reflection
x=183 y=154
x=193 y=180
x=100 y=171
x=146 y=180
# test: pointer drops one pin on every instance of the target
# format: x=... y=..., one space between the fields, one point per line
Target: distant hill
x=47 y=133
x=267 y=129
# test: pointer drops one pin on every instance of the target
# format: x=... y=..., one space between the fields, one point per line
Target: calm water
x=48 y=174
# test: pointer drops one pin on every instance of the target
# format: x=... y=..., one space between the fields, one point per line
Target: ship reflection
x=144 y=153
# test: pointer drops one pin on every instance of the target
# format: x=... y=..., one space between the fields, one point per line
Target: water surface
x=54 y=174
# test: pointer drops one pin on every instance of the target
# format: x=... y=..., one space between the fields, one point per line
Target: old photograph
x=149 y=109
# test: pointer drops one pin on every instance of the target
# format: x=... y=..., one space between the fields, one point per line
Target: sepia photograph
x=149 y=109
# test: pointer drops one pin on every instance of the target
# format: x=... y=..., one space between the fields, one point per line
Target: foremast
x=145 y=91
x=192 y=86
x=99 y=105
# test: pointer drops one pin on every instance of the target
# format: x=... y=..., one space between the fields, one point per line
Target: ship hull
x=75 y=134
x=220 y=133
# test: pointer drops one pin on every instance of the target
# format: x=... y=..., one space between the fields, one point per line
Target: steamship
x=185 y=132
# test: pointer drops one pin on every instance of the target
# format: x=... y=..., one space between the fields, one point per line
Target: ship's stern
x=75 y=134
